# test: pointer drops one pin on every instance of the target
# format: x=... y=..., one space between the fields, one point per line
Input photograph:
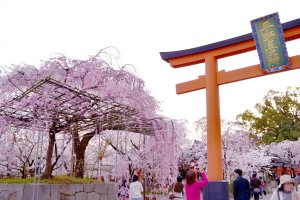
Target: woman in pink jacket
x=193 y=186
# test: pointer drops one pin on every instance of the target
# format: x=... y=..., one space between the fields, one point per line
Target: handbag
x=171 y=196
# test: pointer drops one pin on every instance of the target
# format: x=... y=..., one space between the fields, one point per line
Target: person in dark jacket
x=241 y=187
x=255 y=184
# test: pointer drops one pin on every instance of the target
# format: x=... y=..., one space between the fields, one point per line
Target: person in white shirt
x=135 y=189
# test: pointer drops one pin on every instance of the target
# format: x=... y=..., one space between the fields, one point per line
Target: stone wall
x=58 y=192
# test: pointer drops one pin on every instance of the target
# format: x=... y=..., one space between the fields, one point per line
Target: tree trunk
x=79 y=149
x=79 y=164
x=23 y=174
x=48 y=170
x=25 y=169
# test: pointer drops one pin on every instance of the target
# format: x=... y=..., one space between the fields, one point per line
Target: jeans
x=256 y=195
x=251 y=191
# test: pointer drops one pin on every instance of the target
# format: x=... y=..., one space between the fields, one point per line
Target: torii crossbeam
x=209 y=54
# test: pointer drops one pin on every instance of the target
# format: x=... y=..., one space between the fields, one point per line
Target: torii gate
x=209 y=54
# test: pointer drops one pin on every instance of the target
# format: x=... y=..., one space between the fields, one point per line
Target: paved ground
x=268 y=197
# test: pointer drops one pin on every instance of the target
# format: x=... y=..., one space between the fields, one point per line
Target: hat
x=286 y=179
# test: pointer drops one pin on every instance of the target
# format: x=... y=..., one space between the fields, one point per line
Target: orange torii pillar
x=209 y=54
x=214 y=142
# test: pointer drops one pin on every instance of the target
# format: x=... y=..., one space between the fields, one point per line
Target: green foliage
x=278 y=117
x=231 y=186
x=16 y=180
x=54 y=180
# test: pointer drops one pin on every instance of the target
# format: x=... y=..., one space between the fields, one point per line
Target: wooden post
x=214 y=143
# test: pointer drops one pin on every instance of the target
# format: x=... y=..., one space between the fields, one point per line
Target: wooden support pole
x=214 y=144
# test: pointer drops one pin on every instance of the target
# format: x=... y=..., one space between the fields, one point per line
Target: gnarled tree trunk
x=79 y=149
x=79 y=164
x=48 y=170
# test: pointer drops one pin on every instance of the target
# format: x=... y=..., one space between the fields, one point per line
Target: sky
x=32 y=31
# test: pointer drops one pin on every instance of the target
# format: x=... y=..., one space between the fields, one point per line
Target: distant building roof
x=174 y=54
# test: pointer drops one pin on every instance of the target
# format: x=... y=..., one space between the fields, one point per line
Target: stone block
x=93 y=196
x=101 y=188
x=104 y=197
x=54 y=192
x=58 y=192
x=43 y=191
x=29 y=192
x=67 y=189
x=39 y=191
x=13 y=196
x=66 y=197
x=78 y=188
x=80 y=195
x=112 y=192
x=5 y=187
x=89 y=188
x=17 y=191
x=4 y=195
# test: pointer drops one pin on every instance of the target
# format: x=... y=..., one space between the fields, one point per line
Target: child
x=263 y=187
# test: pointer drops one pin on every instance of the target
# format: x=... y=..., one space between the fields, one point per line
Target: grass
x=54 y=180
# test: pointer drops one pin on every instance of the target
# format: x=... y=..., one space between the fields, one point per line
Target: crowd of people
x=288 y=188
x=188 y=188
x=196 y=179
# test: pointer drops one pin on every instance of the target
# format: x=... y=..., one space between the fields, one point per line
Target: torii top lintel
x=226 y=48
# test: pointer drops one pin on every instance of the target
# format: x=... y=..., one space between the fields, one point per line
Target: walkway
x=268 y=197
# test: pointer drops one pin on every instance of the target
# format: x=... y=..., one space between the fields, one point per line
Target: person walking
x=285 y=189
x=297 y=178
x=193 y=186
x=135 y=189
x=241 y=187
x=255 y=184
x=261 y=187
x=264 y=187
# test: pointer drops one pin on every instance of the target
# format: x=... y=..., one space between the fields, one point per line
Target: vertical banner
x=270 y=44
